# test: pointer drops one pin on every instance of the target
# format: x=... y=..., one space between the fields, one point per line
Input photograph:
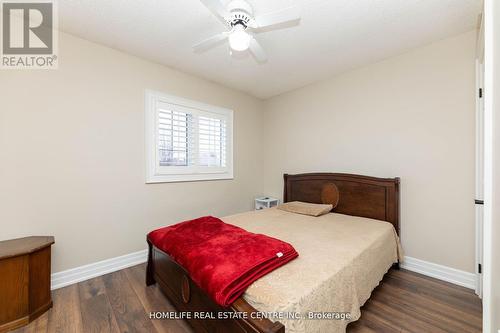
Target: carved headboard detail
x=376 y=198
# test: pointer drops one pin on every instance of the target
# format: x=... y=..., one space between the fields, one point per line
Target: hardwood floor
x=120 y=302
x=411 y=302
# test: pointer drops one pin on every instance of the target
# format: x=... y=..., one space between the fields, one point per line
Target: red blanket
x=221 y=258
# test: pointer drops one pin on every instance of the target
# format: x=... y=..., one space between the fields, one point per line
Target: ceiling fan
x=238 y=17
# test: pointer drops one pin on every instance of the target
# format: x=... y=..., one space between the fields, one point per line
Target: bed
x=343 y=256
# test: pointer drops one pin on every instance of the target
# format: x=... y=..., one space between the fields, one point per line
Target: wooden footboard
x=186 y=296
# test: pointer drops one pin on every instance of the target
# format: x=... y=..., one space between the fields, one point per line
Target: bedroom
x=384 y=89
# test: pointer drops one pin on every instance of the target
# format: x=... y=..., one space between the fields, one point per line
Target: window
x=187 y=140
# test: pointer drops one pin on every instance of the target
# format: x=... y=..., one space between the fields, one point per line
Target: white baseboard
x=82 y=273
x=452 y=275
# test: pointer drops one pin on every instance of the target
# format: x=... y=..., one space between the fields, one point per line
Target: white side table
x=265 y=202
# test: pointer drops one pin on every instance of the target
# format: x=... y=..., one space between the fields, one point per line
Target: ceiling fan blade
x=287 y=17
x=210 y=42
x=217 y=9
x=257 y=51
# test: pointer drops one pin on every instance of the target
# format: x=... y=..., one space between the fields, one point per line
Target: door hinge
x=480 y=92
x=479 y=268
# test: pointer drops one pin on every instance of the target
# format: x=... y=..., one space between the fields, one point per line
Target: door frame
x=479 y=191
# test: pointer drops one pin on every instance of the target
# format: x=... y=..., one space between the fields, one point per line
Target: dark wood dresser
x=24 y=280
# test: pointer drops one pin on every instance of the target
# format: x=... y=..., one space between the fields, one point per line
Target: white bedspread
x=341 y=260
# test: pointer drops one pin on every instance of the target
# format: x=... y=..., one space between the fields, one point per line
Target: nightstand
x=24 y=280
x=265 y=202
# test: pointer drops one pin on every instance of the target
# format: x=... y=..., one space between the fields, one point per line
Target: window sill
x=154 y=179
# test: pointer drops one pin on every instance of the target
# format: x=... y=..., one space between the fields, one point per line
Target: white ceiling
x=333 y=36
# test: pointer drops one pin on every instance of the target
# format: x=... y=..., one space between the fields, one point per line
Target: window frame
x=166 y=174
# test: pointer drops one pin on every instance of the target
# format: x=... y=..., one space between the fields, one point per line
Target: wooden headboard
x=376 y=198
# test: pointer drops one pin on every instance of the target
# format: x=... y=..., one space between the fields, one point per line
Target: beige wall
x=72 y=157
x=410 y=116
x=72 y=148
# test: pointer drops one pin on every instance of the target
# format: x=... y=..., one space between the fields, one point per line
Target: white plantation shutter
x=212 y=141
x=187 y=140
x=175 y=137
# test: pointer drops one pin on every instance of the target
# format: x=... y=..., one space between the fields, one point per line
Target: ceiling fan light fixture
x=239 y=39
x=237 y=16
